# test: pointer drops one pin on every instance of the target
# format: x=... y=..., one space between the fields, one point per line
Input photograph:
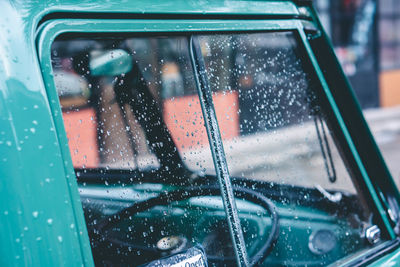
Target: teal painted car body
x=42 y=222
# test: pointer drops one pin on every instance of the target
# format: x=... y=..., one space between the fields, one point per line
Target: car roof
x=34 y=11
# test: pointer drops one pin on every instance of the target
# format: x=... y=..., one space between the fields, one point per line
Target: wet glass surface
x=145 y=169
x=275 y=112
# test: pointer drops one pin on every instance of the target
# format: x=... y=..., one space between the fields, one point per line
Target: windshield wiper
x=336 y=197
x=325 y=149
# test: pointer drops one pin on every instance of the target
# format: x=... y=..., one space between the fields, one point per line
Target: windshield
x=280 y=130
x=146 y=171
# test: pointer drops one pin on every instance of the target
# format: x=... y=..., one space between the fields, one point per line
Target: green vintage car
x=184 y=133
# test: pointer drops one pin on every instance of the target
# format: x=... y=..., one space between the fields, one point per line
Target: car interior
x=144 y=164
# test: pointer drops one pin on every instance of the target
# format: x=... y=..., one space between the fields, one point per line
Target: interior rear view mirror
x=110 y=62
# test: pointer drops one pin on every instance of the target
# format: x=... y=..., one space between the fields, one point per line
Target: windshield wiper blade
x=336 y=197
x=325 y=149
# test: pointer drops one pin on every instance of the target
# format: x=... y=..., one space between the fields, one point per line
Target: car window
x=134 y=132
x=280 y=129
x=99 y=128
x=145 y=169
x=282 y=134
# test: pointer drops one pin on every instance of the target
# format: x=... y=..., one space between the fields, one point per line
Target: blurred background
x=366 y=38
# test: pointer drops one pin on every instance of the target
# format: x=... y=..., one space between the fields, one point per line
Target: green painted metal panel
x=33 y=11
x=39 y=226
x=390 y=260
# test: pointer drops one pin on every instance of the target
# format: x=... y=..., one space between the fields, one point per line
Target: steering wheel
x=166 y=198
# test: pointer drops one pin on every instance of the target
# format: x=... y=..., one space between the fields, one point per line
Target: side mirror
x=110 y=62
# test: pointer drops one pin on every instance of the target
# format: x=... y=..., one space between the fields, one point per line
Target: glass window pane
x=386 y=31
x=283 y=146
x=144 y=167
x=397 y=25
x=136 y=132
x=388 y=56
x=87 y=99
x=386 y=7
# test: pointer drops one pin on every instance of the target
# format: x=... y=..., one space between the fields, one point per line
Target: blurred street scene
x=366 y=38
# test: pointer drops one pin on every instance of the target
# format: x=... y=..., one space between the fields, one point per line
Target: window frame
x=50 y=30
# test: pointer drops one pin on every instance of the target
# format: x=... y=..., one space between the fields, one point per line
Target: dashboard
x=307 y=234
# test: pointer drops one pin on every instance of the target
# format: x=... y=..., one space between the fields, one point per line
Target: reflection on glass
x=281 y=136
x=274 y=110
x=143 y=162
